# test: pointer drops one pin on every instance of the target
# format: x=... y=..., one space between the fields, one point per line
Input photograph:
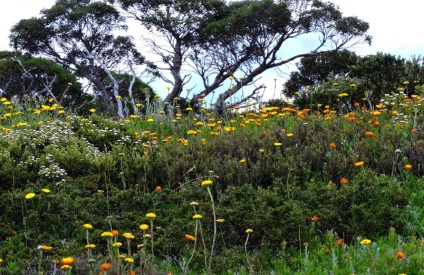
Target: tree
x=373 y=76
x=381 y=73
x=80 y=35
x=244 y=38
x=315 y=69
x=22 y=76
x=177 y=25
x=133 y=91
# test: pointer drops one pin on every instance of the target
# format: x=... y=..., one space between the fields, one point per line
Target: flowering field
x=260 y=190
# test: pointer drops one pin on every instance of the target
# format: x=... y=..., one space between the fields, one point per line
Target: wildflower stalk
x=122 y=170
x=245 y=243
x=204 y=245
x=214 y=227
x=306 y=260
x=143 y=255
x=194 y=248
x=151 y=233
x=40 y=261
x=129 y=247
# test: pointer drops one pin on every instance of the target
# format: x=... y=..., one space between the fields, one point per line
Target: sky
x=394 y=25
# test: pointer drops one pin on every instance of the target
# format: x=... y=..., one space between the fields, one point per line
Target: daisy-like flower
x=144 y=227
x=197 y=217
x=206 y=182
x=87 y=226
x=29 y=196
x=151 y=215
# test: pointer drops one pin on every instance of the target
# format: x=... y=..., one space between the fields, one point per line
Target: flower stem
x=214 y=228
x=194 y=248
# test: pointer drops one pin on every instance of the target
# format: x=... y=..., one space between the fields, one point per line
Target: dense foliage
x=300 y=181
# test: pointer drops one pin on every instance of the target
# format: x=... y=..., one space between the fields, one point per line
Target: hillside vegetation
x=260 y=190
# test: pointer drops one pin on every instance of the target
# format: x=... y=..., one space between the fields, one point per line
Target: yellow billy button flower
x=107 y=234
x=197 y=217
x=151 y=215
x=220 y=220
x=144 y=227
x=117 y=244
x=365 y=242
x=92 y=110
x=128 y=235
x=129 y=260
x=90 y=246
x=206 y=182
x=66 y=267
x=29 y=196
x=68 y=261
x=248 y=231
x=87 y=226
x=277 y=144
x=194 y=203
x=45 y=190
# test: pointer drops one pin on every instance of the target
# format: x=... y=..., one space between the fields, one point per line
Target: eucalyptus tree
x=175 y=27
x=23 y=76
x=218 y=40
x=81 y=36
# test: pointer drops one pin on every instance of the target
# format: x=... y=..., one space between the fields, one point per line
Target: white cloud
x=394 y=25
x=12 y=11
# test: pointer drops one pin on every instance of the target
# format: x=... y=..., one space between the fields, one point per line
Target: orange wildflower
x=343 y=180
x=340 y=242
x=359 y=164
x=105 y=266
x=158 y=188
x=332 y=145
x=189 y=238
x=400 y=255
x=68 y=261
x=115 y=233
x=408 y=167
x=315 y=218
x=413 y=130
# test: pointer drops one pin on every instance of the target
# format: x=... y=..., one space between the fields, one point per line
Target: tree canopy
x=243 y=38
x=22 y=75
x=194 y=45
x=81 y=36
